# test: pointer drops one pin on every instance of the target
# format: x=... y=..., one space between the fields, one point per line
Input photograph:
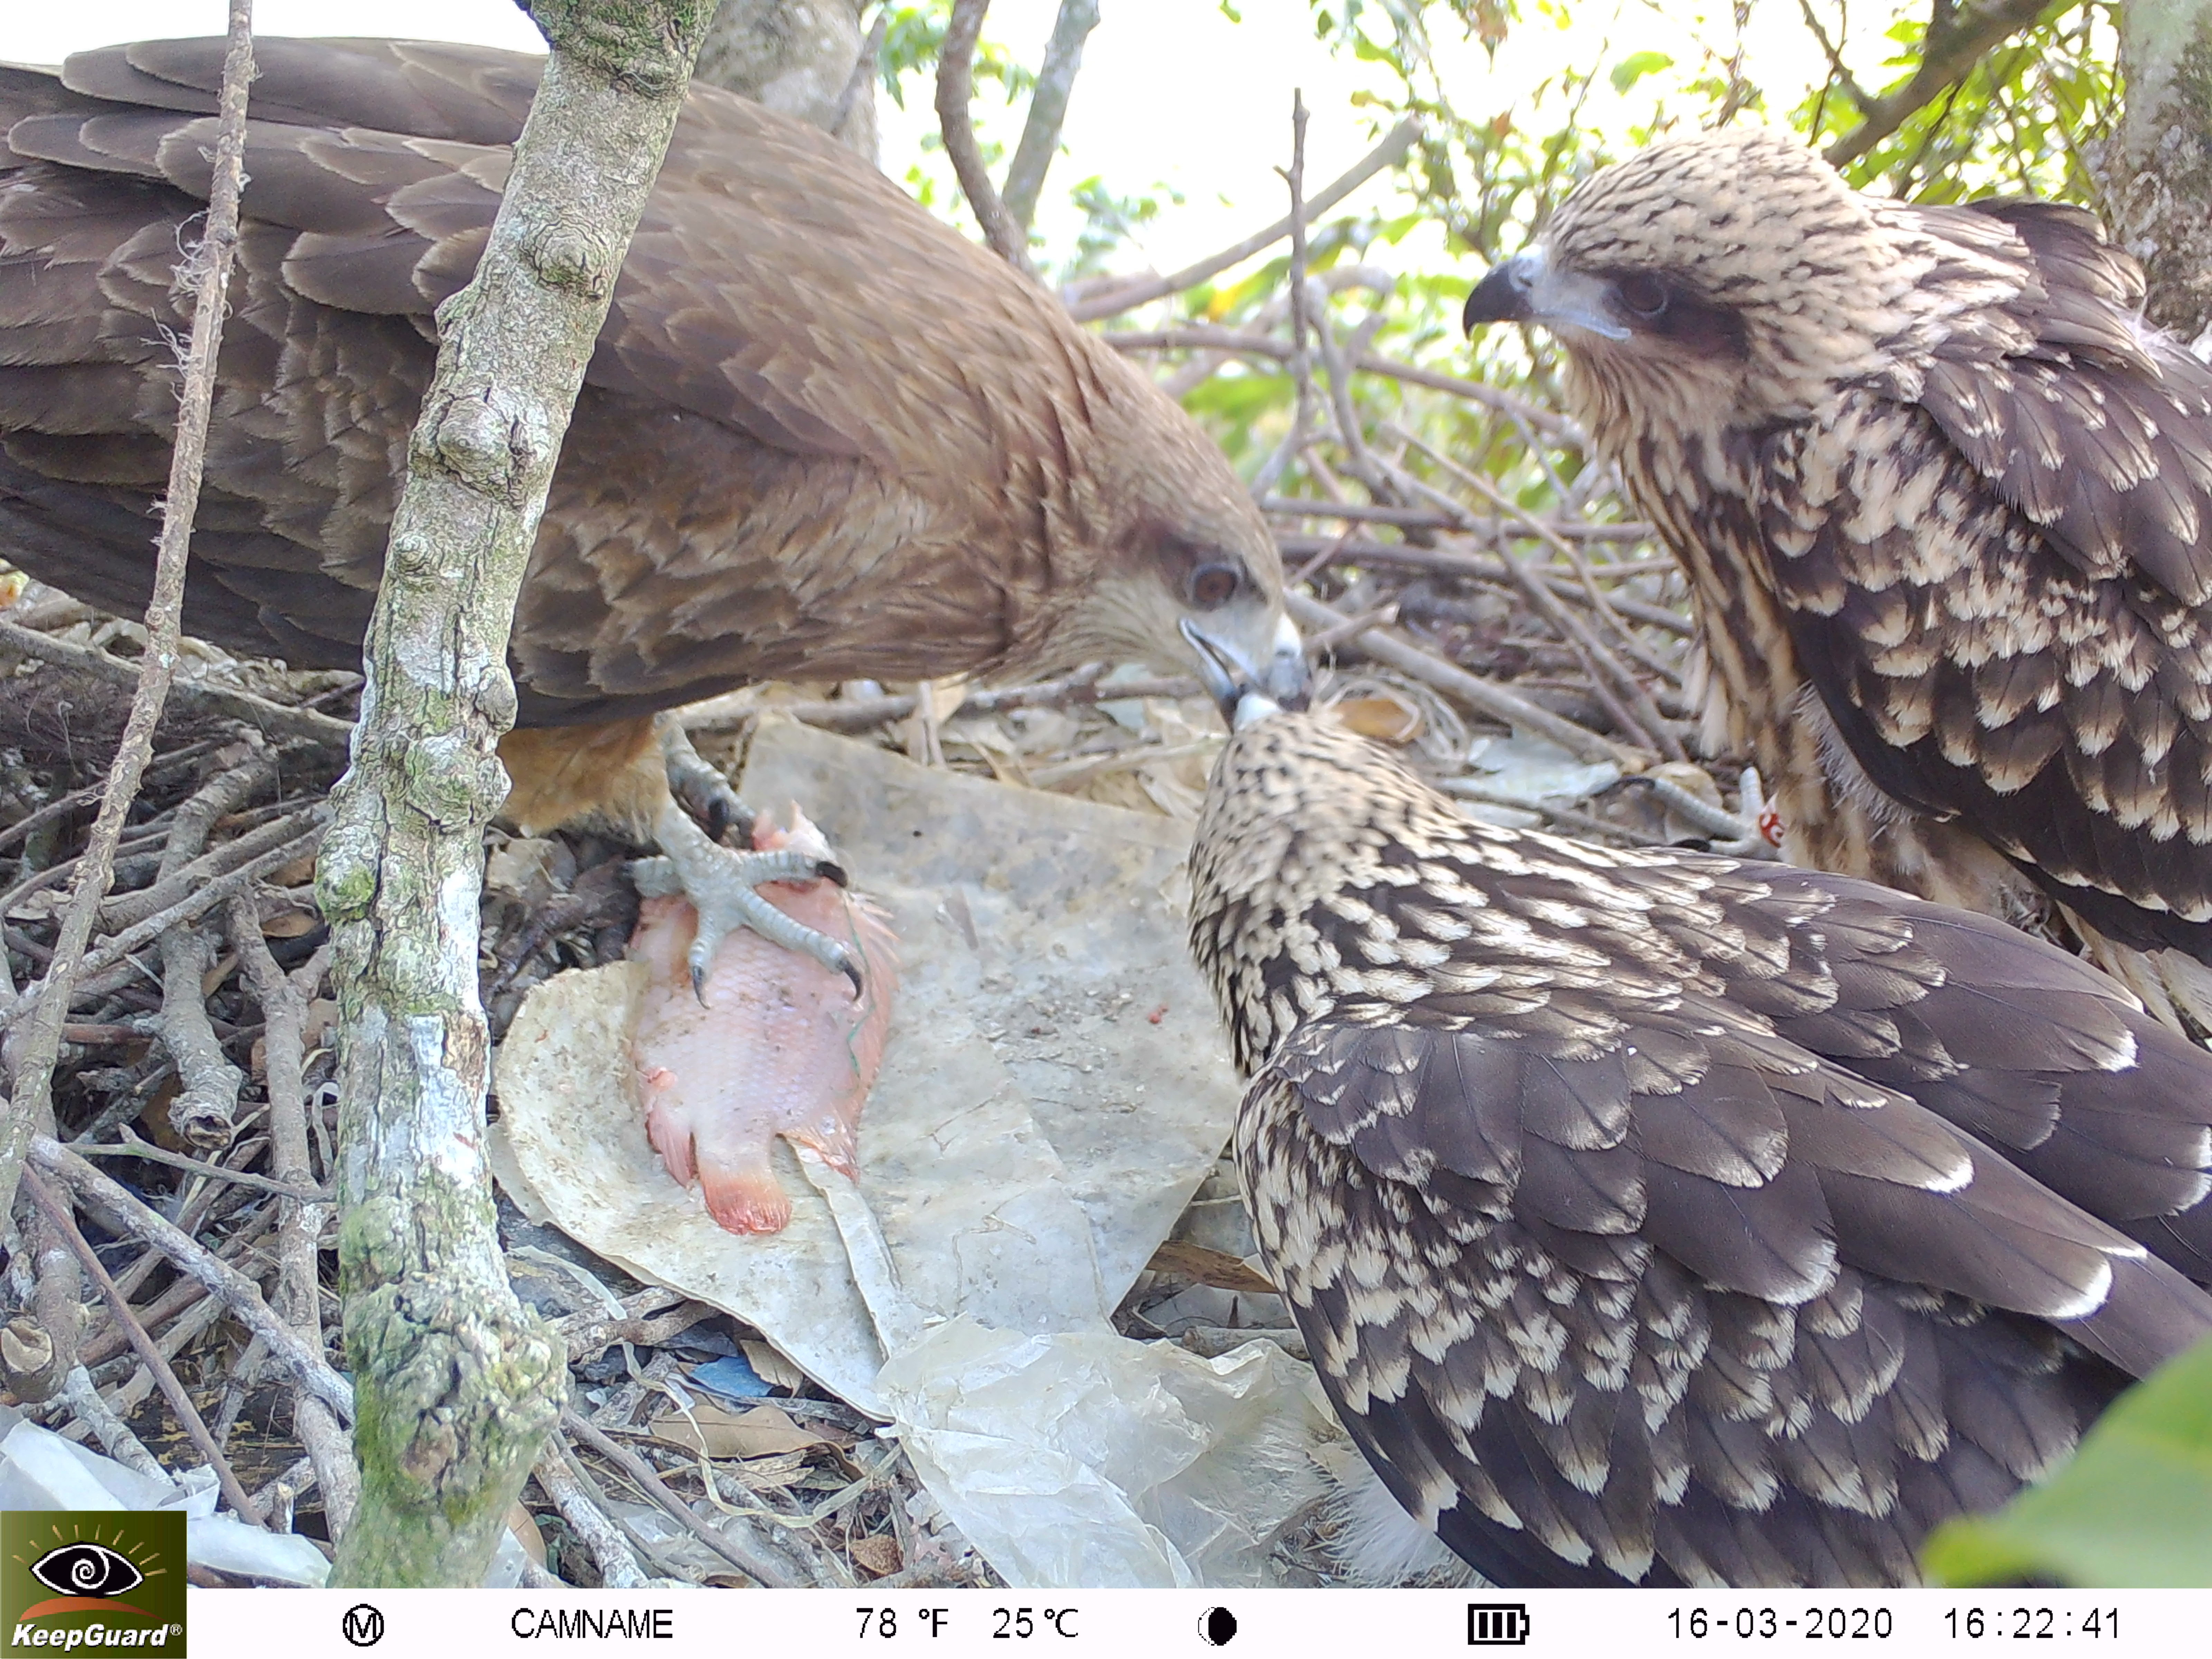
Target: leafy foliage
x=2133 y=1509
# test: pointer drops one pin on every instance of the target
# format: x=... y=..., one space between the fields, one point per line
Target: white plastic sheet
x=40 y=1470
x=1055 y=1089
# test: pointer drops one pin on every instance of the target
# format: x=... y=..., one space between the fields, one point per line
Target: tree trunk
x=456 y=1382
x=2158 y=166
x=798 y=58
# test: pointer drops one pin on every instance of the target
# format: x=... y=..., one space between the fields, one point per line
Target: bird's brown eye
x=1214 y=585
x=1641 y=296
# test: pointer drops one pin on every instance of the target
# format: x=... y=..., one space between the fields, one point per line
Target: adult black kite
x=822 y=436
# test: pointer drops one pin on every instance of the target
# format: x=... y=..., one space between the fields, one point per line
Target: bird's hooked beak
x=1282 y=676
x=1244 y=696
x=1529 y=289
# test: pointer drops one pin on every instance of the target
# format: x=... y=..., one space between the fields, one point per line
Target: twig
x=1210 y=337
x=1063 y=57
x=53 y=809
x=589 y=1334
x=1479 y=695
x=1566 y=818
x=1600 y=667
x=1351 y=627
x=275 y=718
x=187 y=1414
x=955 y=89
x=1142 y=290
x=1960 y=34
x=206 y=1108
x=734 y=1542
x=132 y=1146
x=1415 y=518
x=112 y=1431
x=30 y=1104
x=125 y=1399
x=186 y=1292
x=1302 y=320
x=1475 y=566
x=171 y=884
x=233 y=1289
x=617 y=1563
x=1637 y=715
x=190 y=907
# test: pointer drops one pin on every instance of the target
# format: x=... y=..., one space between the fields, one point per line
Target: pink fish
x=778 y=1046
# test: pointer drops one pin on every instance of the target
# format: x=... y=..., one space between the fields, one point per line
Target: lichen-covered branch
x=456 y=1382
x=2158 y=166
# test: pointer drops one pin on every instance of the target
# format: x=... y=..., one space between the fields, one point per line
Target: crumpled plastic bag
x=1084 y=1459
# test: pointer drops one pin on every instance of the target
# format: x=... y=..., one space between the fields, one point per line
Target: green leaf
x=2134 y=1509
x=1637 y=64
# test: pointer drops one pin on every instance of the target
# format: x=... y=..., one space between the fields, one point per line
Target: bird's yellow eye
x=1642 y=296
x=1214 y=585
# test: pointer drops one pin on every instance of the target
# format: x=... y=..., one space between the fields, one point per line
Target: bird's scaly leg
x=719 y=880
x=698 y=783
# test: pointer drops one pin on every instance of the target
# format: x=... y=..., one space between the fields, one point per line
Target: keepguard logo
x=91 y=1581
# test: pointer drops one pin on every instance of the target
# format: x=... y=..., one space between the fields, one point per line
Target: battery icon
x=1497 y=1624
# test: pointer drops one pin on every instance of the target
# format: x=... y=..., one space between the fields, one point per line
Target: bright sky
x=1171 y=91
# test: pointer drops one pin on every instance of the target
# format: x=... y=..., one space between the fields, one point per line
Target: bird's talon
x=829 y=869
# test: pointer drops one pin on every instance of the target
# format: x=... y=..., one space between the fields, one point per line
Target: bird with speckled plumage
x=1945 y=505
x=1654 y=1218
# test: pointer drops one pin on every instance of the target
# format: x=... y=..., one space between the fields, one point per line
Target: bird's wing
x=2094 y=429
x=731 y=427
x=1598 y=1246
x=2027 y=1050
x=1978 y=667
x=387 y=159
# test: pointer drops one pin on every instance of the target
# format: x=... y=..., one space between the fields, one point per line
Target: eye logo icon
x=82 y=1569
x=93 y=1579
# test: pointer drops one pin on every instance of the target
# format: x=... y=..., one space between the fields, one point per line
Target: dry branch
x=733 y=1541
x=1113 y=302
x=30 y=1109
x=233 y=1289
x=956 y=90
x=1063 y=58
x=299 y=1239
x=57 y=1212
x=1479 y=695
